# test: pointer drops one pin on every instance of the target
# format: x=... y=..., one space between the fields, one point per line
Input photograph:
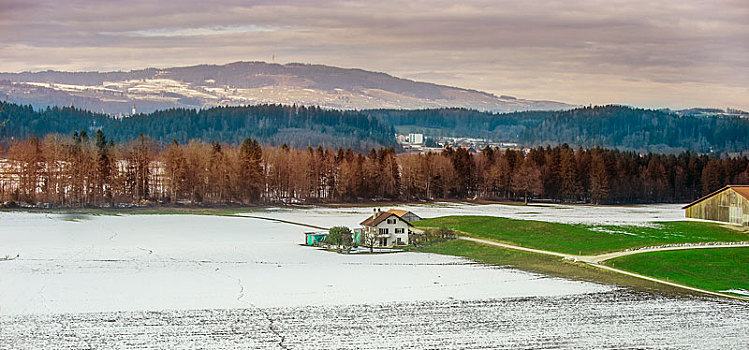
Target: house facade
x=388 y=228
x=729 y=204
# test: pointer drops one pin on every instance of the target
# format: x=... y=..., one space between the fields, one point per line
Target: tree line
x=83 y=170
x=617 y=127
x=297 y=126
x=612 y=126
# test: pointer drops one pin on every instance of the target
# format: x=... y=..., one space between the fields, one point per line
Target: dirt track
x=608 y=256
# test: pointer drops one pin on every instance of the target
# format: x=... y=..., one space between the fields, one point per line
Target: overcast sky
x=645 y=53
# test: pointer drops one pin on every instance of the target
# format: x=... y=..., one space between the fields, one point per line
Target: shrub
x=340 y=236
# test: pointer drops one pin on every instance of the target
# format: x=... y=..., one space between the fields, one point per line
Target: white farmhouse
x=389 y=228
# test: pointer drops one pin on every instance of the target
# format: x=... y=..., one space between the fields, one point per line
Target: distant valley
x=247 y=83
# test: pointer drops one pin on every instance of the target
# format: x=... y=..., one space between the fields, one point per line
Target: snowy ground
x=575 y=214
x=613 y=320
x=183 y=262
x=183 y=281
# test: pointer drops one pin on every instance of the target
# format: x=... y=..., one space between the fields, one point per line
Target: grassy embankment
x=574 y=239
x=584 y=239
x=712 y=269
x=537 y=263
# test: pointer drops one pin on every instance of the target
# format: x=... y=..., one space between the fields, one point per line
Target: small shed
x=729 y=204
x=315 y=238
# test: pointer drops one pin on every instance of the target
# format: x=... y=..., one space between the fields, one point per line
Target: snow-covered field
x=613 y=320
x=573 y=214
x=184 y=281
x=183 y=262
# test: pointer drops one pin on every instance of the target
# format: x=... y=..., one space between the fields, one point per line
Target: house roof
x=742 y=190
x=398 y=212
x=374 y=221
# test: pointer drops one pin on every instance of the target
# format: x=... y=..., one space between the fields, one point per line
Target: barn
x=729 y=204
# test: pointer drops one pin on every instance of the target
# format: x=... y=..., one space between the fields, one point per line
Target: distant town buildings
x=424 y=144
x=416 y=139
x=411 y=139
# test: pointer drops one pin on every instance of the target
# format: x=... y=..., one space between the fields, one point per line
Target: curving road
x=597 y=259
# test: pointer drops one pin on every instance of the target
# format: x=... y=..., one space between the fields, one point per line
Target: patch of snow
x=743 y=292
x=616 y=232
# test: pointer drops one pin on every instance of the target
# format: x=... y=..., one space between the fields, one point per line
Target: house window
x=399 y=230
x=384 y=231
x=391 y=221
x=383 y=242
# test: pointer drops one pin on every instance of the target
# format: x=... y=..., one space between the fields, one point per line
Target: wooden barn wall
x=717 y=207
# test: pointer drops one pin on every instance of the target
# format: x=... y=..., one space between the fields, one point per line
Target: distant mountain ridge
x=247 y=83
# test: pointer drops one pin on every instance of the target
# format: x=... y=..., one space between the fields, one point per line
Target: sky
x=655 y=54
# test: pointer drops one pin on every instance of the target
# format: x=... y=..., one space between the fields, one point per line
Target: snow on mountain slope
x=243 y=83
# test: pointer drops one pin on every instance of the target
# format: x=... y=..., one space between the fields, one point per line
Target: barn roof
x=742 y=190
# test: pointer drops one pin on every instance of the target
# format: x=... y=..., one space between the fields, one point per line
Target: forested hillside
x=615 y=127
x=618 y=127
x=270 y=124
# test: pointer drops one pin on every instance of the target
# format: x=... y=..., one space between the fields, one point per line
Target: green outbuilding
x=315 y=238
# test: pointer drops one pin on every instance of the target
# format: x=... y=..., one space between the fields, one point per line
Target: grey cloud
x=491 y=45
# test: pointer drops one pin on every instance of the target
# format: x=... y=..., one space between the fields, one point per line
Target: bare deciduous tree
x=527 y=180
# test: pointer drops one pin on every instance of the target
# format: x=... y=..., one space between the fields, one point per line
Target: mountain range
x=247 y=83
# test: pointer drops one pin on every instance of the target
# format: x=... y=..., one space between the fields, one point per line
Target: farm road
x=608 y=256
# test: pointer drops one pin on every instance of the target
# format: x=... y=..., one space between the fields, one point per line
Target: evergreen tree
x=251 y=156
